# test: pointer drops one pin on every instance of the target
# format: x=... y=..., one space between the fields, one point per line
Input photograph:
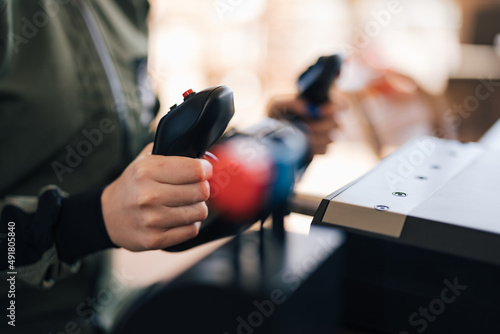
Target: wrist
x=80 y=230
x=107 y=216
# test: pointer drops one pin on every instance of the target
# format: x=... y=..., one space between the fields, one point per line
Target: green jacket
x=74 y=110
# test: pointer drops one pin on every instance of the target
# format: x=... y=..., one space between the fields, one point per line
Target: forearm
x=52 y=234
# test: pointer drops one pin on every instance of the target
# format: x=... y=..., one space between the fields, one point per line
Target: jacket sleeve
x=6 y=40
x=48 y=235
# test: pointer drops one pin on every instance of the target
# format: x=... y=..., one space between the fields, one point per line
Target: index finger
x=176 y=170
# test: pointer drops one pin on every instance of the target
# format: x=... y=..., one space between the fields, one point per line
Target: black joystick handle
x=190 y=128
x=315 y=83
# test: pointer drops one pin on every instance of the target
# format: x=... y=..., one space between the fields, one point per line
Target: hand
x=157 y=202
x=320 y=129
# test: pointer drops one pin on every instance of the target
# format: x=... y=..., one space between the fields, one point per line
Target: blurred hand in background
x=321 y=129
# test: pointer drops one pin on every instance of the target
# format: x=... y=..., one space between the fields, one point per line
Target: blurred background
x=413 y=67
x=426 y=67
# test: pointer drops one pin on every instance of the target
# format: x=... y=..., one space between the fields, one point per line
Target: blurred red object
x=243 y=174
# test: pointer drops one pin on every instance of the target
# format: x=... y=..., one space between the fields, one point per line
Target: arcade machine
x=264 y=281
x=423 y=239
x=411 y=247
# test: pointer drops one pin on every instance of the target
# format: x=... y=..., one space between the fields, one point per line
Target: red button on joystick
x=187 y=93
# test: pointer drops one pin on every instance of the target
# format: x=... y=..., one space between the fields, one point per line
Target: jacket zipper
x=109 y=69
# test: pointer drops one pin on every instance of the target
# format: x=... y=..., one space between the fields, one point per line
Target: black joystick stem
x=314 y=84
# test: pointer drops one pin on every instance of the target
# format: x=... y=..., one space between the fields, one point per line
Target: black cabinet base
x=289 y=285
